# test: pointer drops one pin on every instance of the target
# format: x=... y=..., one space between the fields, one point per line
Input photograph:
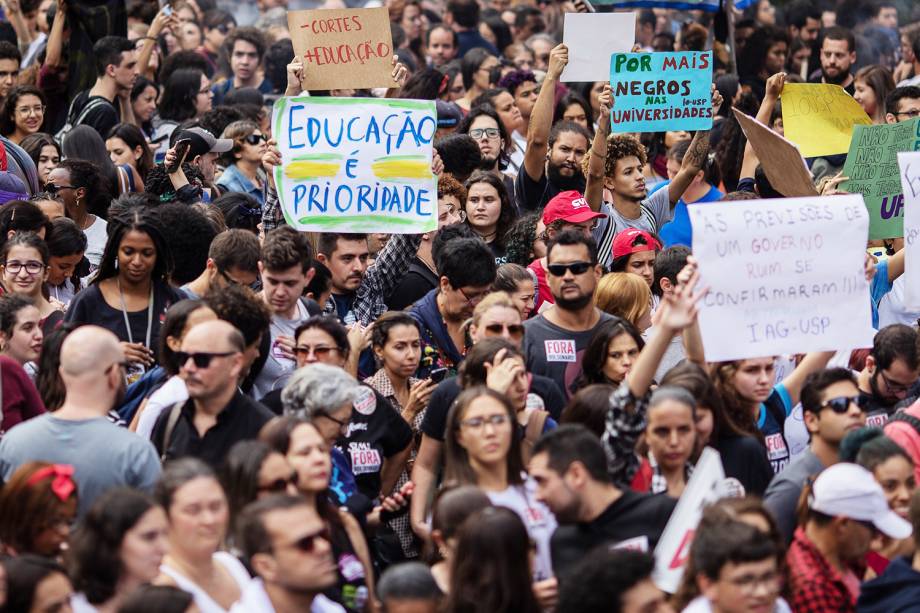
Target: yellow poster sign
x=819 y=118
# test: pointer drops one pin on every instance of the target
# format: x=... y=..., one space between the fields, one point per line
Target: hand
x=398 y=500
x=294 y=77
x=286 y=345
x=678 y=310
x=501 y=373
x=437 y=164
x=775 y=85
x=547 y=593
x=270 y=159
x=830 y=186
x=870 y=268
x=581 y=6
x=558 y=60
x=716 y=99
x=359 y=337
x=136 y=353
x=419 y=395
x=10 y=6
x=161 y=21
x=171 y=158
x=605 y=101
x=637 y=48
x=400 y=73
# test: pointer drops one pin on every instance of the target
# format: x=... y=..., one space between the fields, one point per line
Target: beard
x=565 y=183
x=573 y=304
x=837 y=79
x=489 y=164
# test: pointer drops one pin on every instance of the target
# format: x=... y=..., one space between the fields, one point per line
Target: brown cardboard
x=343 y=48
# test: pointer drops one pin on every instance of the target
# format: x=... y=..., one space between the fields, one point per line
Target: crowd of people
x=204 y=409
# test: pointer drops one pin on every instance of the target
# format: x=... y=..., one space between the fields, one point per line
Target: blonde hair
x=494 y=299
x=625 y=295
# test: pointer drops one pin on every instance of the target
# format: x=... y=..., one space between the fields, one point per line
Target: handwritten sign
x=657 y=92
x=872 y=169
x=591 y=39
x=909 y=165
x=711 y=6
x=343 y=48
x=785 y=276
x=356 y=164
x=819 y=118
x=781 y=161
x=673 y=547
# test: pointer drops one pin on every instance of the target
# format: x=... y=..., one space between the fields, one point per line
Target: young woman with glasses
x=23 y=113
x=25 y=269
x=243 y=163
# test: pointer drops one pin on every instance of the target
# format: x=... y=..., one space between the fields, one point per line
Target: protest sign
x=658 y=92
x=781 y=161
x=356 y=164
x=909 y=166
x=819 y=117
x=711 y=6
x=785 y=276
x=673 y=547
x=343 y=48
x=591 y=39
x=872 y=170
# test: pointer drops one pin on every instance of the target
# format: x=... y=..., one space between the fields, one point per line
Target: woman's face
x=30 y=113
x=333 y=424
x=798 y=58
x=449 y=210
x=523 y=297
x=17 y=278
x=204 y=98
x=137 y=256
x=766 y=13
x=25 y=342
x=622 y=352
x=671 y=433
x=308 y=454
x=523 y=59
x=276 y=476
x=51 y=540
x=483 y=207
x=896 y=476
x=499 y=322
x=575 y=112
x=457 y=90
x=52 y=594
x=520 y=387
x=253 y=147
x=673 y=136
x=189 y=36
x=508 y=112
x=595 y=96
x=61 y=267
x=411 y=22
x=642 y=264
x=484 y=130
x=776 y=57
x=322 y=349
x=48 y=160
x=402 y=350
x=481 y=76
x=704 y=425
x=486 y=443
x=60 y=177
x=144 y=545
x=199 y=316
x=754 y=379
x=198 y=515
x=120 y=152
x=865 y=96
x=145 y=104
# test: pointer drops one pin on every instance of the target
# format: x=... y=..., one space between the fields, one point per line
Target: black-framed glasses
x=894 y=386
x=478 y=133
x=577 y=268
x=841 y=404
x=307 y=544
x=343 y=425
x=478 y=423
x=280 y=485
x=255 y=139
x=231 y=281
x=202 y=359
x=515 y=331
x=475 y=298
x=911 y=113
x=54 y=190
x=33 y=267
x=320 y=351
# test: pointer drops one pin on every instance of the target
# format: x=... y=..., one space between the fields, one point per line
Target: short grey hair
x=318 y=389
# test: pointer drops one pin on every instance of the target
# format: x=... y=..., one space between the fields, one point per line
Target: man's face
x=525 y=97
x=572 y=291
x=206 y=164
x=234 y=275
x=126 y=72
x=830 y=426
x=628 y=180
x=244 y=61
x=891 y=383
x=541 y=49
x=744 y=588
x=441 y=47
x=283 y=288
x=905 y=110
x=205 y=382
x=566 y=154
x=809 y=32
x=301 y=555
x=459 y=302
x=554 y=491
x=887 y=17
x=9 y=74
x=836 y=59
x=644 y=597
x=347 y=263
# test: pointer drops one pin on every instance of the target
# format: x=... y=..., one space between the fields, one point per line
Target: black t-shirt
x=634 y=521
x=745 y=459
x=102 y=117
x=533 y=195
x=434 y=423
x=877 y=409
x=414 y=285
x=499 y=252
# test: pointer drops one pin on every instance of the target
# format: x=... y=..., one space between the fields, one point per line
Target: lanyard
x=124 y=312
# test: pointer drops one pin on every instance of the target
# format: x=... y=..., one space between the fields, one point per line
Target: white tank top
x=202 y=599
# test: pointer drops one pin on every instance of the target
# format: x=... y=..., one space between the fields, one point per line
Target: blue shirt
x=878 y=288
x=779 y=403
x=678 y=231
x=232 y=179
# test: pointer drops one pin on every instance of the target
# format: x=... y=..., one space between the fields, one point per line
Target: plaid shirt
x=624 y=423
x=815 y=585
x=272 y=217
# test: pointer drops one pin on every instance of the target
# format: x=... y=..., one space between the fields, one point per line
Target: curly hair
x=620 y=146
x=520 y=238
x=190 y=234
x=730 y=150
x=241 y=307
x=515 y=79
x=449 y=186
x=218 y=118
x=285 y=247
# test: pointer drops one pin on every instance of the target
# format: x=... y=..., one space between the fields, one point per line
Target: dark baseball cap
x=203 y=142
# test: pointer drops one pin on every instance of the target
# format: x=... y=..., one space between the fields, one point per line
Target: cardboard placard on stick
x=343 y=48
x=781 y=160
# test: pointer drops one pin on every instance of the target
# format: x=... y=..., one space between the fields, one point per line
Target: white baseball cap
x=849 y=490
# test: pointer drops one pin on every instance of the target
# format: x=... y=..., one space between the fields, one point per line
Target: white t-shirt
x=256 y=600
x=205 y=603
x=539 y=520
x=167 y=395
x=891 y=309
x=278 y=369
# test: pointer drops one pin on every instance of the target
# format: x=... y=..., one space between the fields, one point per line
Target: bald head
x=216 y=335
x=89 y=349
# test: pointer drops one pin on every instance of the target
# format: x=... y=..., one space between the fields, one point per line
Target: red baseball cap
x=570 y=206
x=625 y=243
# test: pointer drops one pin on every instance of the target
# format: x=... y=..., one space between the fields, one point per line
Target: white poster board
x=784 y=276
x=591 y=39
x=909 y=166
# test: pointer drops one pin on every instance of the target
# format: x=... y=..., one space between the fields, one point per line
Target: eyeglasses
x=478 y=133
x=461 y=214
x=343 y=425
x=320 y=351
x=911 y=113
x=255 y=139
x=32 y=267
x=307 y=544
x=841 y=404
x=478 y=423
x=53 y=189
x=202 y=359
x=515 y=331
x=577 y=268
x=893 y=386
x=25 y=111
x=253 y=286
x=280 y=485
x=475 y=298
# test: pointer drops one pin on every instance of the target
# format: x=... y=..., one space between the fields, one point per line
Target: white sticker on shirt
x=534 y=402
x=364 y=459
x=776 y=447
x=560 y=350
x=350 y=567
x=637 y=543
x=536 y=518
x=366 y=402
x=877 y=420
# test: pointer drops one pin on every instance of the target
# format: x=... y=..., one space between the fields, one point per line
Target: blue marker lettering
x=338 y=198
x=292 y=128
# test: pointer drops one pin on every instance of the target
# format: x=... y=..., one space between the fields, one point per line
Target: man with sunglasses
x=891 y=370
x=287 y=545
x=217 y=415
x=79 y=433
x=556 y=339
x=830 y=410
x=233 y=259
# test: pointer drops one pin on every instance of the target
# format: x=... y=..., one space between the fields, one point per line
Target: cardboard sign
x=872 y=170
x=909 y=165
x=591 y=39
x=673 y=547
x=356 y=164
x=343 y=48
x=781 y=161
x=819 y=118
x=658 y=92
x=710 y=6
x=785 y=276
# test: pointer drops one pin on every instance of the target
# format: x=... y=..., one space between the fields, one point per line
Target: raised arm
x=896 y=265
x=55 y=47
x=541 y=118
x=773 y=91
x=160 y=21
x=14 y=14
x=812 y=362
x=597 y=155
x=695 y=157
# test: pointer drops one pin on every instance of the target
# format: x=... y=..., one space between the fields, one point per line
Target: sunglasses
x=255 y=139
x=280 y=485
x=54 y=190
x=577 y=268
x=515 y=331
x=307 y=544
x=841 y=404
x=201 y=359
x=320 y=351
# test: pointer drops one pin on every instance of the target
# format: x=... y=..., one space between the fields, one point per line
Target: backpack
x=901 y=415
x=72 y=121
